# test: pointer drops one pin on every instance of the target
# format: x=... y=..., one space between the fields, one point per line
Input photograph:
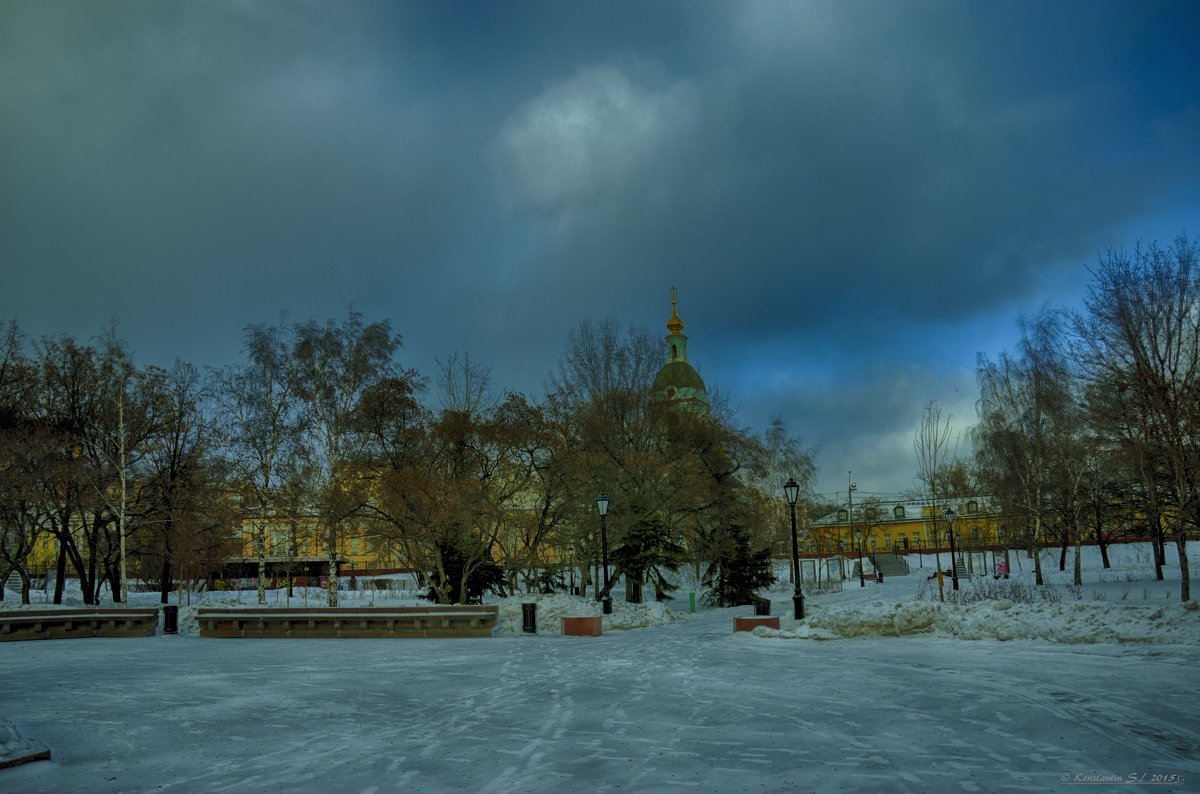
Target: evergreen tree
x=484 y=577
x=648 y=551
x=736 y=572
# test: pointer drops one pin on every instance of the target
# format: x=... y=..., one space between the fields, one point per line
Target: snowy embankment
x=550 y=608
x=1123 y=603
x=1064 y=622
x=894 y=609
x=1120 y=604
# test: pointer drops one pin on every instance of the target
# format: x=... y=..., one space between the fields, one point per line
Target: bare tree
x=334 y=365
x=22 y=456
x=1019 y=397
x=258 y=411
x=465 y=385
x=785 y=458
x=602 y=388
x=934 y=451
x=76 y=399
x=186 y=515
x=1141 y=335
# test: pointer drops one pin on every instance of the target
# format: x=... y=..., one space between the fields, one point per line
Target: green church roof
x=678 y=380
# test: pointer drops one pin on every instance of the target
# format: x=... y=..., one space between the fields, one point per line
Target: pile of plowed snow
x=1065 y=622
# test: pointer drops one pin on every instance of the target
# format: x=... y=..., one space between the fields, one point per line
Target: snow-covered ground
x=882 y=687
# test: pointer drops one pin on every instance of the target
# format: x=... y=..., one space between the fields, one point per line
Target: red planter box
x=750 y=624
x=583 y=627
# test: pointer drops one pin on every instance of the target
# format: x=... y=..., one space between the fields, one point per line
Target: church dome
x=678 y=381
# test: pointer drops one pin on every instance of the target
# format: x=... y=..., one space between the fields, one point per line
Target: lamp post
x=791 y=490
x=851 y=487
x=291 y=571
x=602 y=508
x=950 y=531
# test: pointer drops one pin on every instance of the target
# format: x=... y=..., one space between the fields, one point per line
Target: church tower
x=677 y=382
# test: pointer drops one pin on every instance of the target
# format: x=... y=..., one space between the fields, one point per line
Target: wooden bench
x=433 y=621
x=61 y=624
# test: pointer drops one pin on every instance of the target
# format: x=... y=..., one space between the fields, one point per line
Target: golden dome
x=674 y=325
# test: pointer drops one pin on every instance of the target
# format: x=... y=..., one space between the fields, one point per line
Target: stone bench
x=61 y=624
x=433 y=621
x=751 y=623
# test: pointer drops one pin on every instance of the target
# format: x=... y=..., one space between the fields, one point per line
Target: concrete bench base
x=352 y=622
x=17 y=749
x=750 y=624
x=62 y=624
x=592 y=626
x=24 y=758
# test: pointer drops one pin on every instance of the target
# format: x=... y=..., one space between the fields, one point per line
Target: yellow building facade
x=910 y=526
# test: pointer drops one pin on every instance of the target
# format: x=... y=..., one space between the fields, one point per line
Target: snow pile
x=1067 y=622
x=552 y=608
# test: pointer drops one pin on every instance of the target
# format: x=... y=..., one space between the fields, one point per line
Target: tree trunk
x=1079 y=555
x=1102 y=542
x=89 y=581
x=165 y=580
x=1185 y=585
x=21 y=572
x=260 y=553
x=1037 y=552
x=633 y=589
x=60 y=573
x=1156 y=545
x=332 y=592
x=116 y=584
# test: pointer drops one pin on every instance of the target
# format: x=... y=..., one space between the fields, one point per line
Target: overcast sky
x=854 y=198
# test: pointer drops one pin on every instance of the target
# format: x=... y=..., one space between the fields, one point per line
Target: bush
x=975 y=590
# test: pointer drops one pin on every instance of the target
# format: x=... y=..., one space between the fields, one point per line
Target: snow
x=882 y=687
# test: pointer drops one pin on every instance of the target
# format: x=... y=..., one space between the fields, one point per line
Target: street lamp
x=862 y=579
x=602 y=508
x=791 y=490
x=950 y=531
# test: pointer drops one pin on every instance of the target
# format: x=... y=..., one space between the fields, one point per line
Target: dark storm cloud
x=853 y=197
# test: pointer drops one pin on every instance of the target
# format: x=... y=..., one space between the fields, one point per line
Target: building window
x=972 y=506
x=898 y=511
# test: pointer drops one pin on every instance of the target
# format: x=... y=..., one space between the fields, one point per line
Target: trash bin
x=762 y=606
x=529 y=618
x=170 y=619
